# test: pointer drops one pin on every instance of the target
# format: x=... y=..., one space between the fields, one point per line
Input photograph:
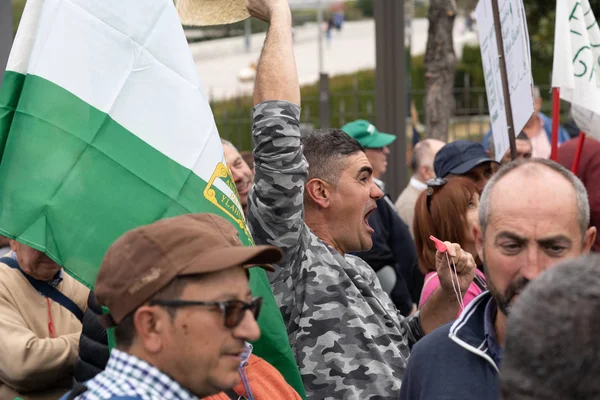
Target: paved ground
x=220 y=62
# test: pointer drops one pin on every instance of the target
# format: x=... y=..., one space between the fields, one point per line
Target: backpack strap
x=46 y=289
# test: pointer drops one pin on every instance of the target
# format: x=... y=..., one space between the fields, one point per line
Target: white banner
x=576 y=67
x=518 y=65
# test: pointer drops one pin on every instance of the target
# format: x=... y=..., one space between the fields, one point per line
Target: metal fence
x=470 y=119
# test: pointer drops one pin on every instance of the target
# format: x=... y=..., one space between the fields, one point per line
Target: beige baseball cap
x=211 y=12
x=146 y=259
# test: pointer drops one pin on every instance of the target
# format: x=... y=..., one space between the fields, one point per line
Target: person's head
x=339 y=193
x=242 y=175
x=533 y=213
x=374 y=143
x=178 y=296
x=448 y=211
x=552 y=350
x=523 y=145
x=421 y=161
x=524 y=148
x=465 y=158
x=34 y=262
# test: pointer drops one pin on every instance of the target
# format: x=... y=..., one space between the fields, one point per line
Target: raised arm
x=276 y=75
x=275 y=204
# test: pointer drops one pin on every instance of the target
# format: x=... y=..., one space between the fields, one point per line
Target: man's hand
x=266 y=9
x=465 y=268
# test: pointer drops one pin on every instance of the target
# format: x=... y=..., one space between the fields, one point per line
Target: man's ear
x=478 y=236
x=319 y=192
x=426 y=172
x=589 y=239
x=150 y=325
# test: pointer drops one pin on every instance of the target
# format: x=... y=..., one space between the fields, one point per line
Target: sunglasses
x=233 y=310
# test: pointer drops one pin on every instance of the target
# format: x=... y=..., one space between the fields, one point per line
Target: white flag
x=576 y=69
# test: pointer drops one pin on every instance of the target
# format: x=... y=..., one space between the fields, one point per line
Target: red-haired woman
x=447 y=210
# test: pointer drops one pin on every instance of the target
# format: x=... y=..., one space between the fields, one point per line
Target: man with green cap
x=393 y=255
x=375 y=145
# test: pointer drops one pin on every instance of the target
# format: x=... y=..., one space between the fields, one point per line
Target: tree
x=440 y=65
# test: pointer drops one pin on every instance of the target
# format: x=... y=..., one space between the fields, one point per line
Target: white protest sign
x=518 y=66
x=576 y=67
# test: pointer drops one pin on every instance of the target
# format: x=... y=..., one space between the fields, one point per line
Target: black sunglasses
x=432 y=184
x=233 y=310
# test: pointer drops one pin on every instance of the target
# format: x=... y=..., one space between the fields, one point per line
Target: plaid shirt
x=126 y=375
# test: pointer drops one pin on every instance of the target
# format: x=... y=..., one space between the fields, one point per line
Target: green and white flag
x=104 y=126
x=576 y=66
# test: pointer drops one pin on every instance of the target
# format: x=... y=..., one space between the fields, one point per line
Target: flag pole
x=555 y=121
x=504 y=76
x=575 y=166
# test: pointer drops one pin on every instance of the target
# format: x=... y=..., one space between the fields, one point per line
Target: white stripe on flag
x=102 y=52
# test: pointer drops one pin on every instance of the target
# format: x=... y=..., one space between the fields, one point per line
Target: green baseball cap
x=367 y=135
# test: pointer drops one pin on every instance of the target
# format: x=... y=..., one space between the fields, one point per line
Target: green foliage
x=366 y=6
x=17 y=8
x=421 y=10
x=353 y=96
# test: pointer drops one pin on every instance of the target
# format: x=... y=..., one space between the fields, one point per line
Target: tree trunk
x=440 y=65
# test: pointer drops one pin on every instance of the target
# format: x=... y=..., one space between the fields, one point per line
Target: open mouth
x=244 y=188
x=366 y=219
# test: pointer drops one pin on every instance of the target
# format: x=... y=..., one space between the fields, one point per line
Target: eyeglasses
x=233 y=310
x=432 y=184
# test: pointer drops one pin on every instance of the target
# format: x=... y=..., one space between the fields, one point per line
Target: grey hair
x=324 y=149
x=583 y=205
x=228 y=143
x=552 y=351
x=419 y=152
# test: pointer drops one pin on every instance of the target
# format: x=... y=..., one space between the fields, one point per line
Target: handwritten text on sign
x=518 y=66
x=576 y=68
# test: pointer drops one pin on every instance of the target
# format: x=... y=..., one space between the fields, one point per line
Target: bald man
x=421 y=164
x=533 y=213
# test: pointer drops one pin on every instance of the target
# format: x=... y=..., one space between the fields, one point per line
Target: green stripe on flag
x=67 y=167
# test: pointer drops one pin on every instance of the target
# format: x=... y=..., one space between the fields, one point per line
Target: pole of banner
x=555 y=121
x=575 y=166
x=504 y=76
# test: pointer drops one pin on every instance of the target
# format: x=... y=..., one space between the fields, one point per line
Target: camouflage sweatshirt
x=348 y=338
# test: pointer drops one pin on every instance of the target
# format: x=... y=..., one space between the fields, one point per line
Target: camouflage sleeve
x=275 y=204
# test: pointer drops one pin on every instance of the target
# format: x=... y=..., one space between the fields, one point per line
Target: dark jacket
x=93 y=344
x=393 y=246
x=453 y=362
x=588 y=172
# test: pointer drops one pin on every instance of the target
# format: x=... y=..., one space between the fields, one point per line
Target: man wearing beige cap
x=179 y=298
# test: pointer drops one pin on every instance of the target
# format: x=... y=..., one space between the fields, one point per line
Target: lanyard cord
x=455 y=287
x=50 y=322
x=246 y=383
